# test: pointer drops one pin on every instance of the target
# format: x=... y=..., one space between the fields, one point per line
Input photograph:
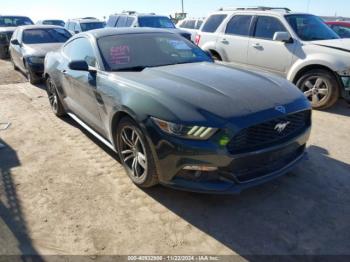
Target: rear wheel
x=135 y=154
x=54 y=99
x=216 y=56
x=320 y=87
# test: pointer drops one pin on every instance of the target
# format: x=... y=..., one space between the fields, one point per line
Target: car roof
x=52 y=20
x=138 y=14
x=98 y=33
x=28 y=27
x=19 y=16
x=259 y=12
x=84 y=20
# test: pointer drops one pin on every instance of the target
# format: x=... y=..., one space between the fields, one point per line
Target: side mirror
x=15 y=42
x=78 y=66
x=76 y=32
x=283 y=37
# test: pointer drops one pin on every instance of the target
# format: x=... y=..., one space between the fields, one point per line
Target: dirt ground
x=62 y=192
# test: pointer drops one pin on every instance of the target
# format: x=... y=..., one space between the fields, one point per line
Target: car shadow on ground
x=14 y=238
x=105 y=148
x=342 y=107
x=305 y=212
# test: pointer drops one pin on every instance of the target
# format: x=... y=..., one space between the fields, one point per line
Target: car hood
x=199 y=91
x=339 y=44
x=7 y=29
x=41 y=49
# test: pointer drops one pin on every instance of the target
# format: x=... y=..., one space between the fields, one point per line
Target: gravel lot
x=62 y=192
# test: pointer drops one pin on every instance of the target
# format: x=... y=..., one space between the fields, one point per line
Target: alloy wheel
x=316 y=89
x=133 y=153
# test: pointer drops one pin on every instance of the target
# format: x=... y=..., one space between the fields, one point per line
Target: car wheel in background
x=54 y=99
x=3 y=53
x=320 y=87
x=135 y=154
x=32 y=78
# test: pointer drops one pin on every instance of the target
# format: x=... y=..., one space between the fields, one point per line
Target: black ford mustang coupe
x=173 y=115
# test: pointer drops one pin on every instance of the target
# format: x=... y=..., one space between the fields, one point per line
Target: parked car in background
x=29 y=45
x=8 y=25
x=51 y=22
x=191 y=25
x=300 y=47
x=173 y=115
x=76 y=26
x=134 y=19
x=341 y=28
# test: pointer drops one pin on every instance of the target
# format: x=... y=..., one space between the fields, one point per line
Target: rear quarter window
x=213 y=22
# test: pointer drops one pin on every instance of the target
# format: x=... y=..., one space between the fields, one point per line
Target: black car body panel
x=201 y=94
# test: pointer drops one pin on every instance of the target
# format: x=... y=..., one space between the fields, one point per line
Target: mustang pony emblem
x=280 y=127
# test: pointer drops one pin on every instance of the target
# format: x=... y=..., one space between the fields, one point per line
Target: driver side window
x=80 y=49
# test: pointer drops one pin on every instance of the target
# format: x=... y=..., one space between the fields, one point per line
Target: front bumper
x=36 y=68
x=235 y=172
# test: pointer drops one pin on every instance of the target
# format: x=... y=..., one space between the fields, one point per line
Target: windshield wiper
x=131 y=69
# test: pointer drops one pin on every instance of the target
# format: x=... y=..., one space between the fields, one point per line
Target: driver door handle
x=256 y=45
x=224 y=41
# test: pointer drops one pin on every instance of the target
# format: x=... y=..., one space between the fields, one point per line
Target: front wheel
x=55 y=102
x=135 y=154
x=320 y=87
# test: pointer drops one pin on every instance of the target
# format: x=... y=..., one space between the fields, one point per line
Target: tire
x=54 y=100
x=135 y=154
x=32 y=78
x=216 y=57
x=13 y=64
x=320 y=87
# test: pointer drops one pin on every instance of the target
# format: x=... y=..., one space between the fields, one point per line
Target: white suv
x=299 y=47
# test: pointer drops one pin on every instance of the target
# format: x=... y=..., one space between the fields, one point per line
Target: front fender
x=331 y=60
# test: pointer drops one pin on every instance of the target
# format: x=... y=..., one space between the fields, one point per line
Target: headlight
x=36 y=59
x=188 y=132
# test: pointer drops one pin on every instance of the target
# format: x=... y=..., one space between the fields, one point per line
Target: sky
x=65 y=9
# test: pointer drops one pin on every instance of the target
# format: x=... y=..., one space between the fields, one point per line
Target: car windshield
x=156 y=22
x=310 y=28
x=91 y=26
x=127 y=52
x=13 y=21
x=42 y=36
x=54 y=22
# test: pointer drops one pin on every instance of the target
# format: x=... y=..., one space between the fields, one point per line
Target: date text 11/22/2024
x=173 y=258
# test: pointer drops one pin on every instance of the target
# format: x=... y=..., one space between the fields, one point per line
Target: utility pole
x=308 y=5
x=182 y=4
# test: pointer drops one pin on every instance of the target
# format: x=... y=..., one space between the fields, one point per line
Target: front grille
x=266 y=134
